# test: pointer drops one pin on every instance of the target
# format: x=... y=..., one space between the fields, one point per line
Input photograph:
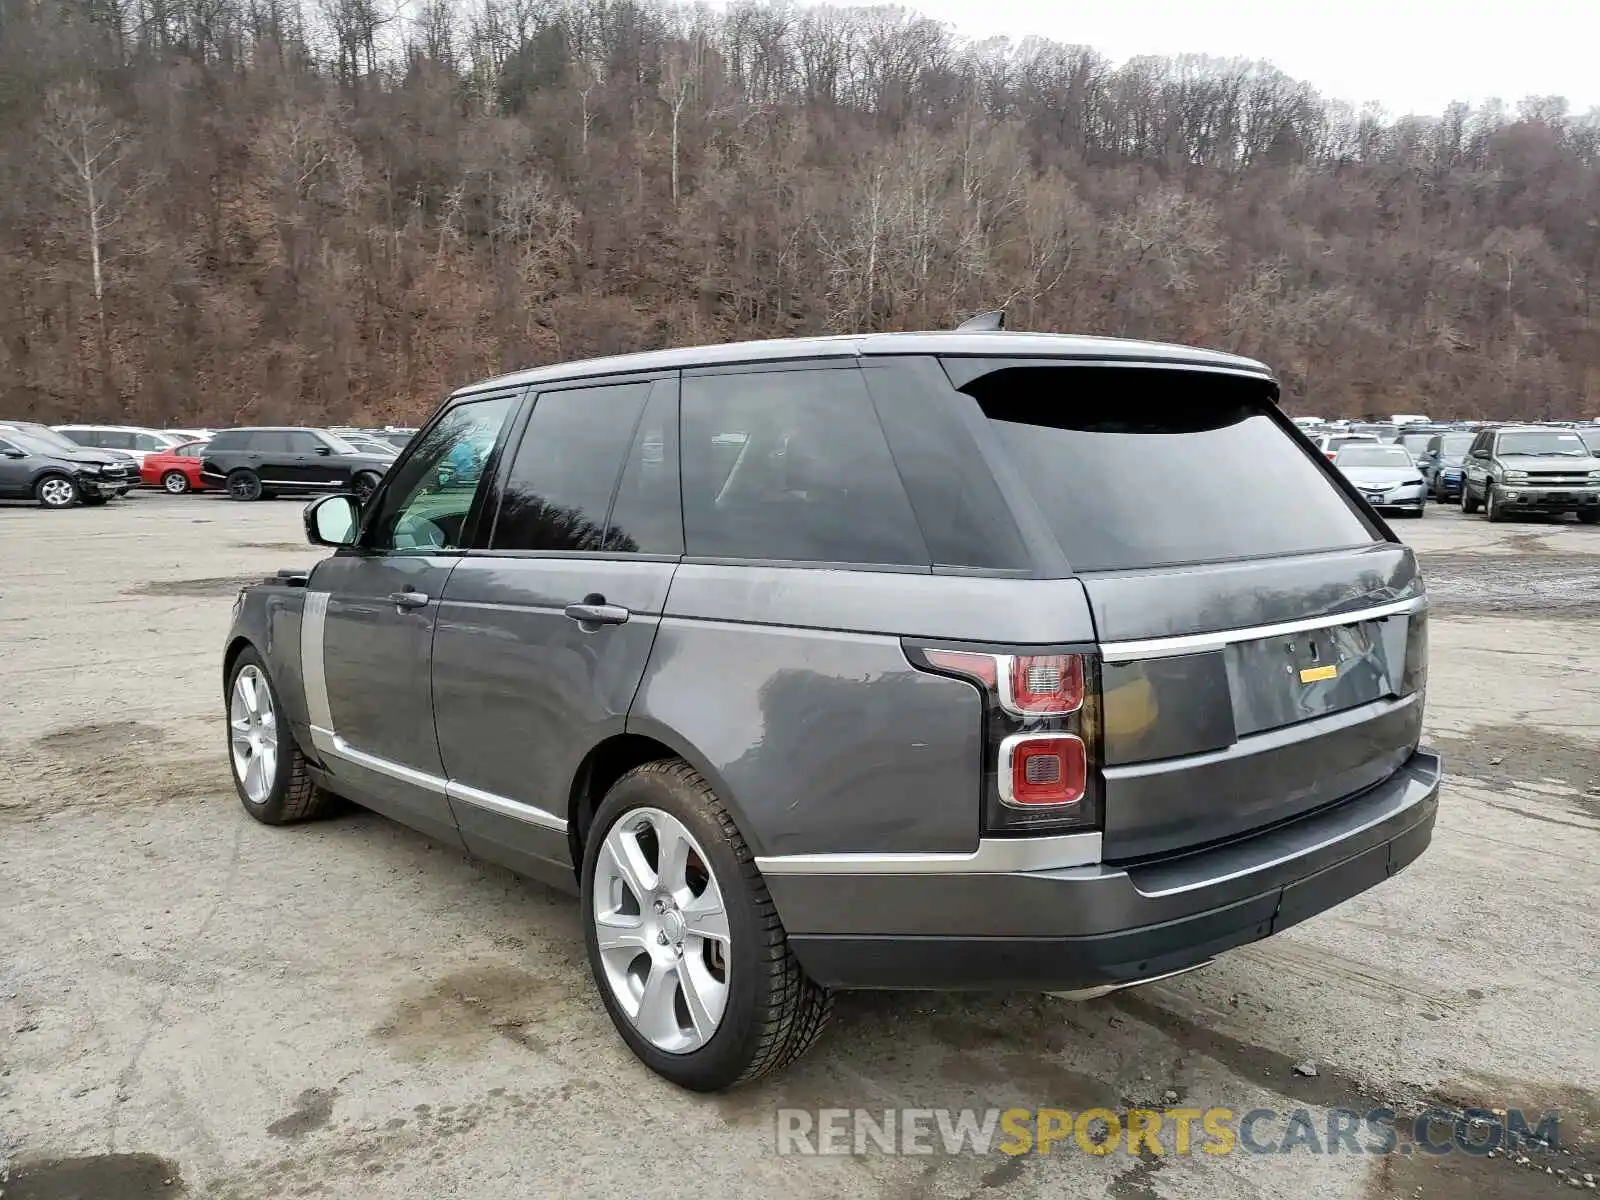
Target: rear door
x=1260 y=630
x=369 y=625
x=545 y=630
x=16 y=469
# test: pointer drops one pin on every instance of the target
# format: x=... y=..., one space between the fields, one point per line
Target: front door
x=16 y=469
x=545 y=631
x=373 y=607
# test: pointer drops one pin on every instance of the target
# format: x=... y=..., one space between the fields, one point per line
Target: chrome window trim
x=994 y=856
x=1198 y=643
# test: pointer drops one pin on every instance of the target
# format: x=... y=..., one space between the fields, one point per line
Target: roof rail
x=987 y=322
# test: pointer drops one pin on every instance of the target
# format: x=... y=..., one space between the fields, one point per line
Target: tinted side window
x=558 y=491
x=963 y=516
x=646 y=516
x=792 y=465
x=228 y=439
x=301 y=442
x=84 y=437
x=269 y=441
x=114 y=439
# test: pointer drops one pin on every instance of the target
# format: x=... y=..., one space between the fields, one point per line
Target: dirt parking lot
x=192 y=1004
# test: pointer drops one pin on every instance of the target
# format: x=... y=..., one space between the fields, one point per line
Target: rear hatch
x=1263 y=637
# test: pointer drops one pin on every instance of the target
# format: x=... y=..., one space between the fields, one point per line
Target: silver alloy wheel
x=175 y=482
x=253 y=734
x=662 y=930
x=56 y=492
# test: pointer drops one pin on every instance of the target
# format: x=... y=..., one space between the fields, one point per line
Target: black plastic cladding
x=999 y=818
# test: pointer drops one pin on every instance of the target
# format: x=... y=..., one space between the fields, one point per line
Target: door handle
x=408 y=599
x=594 y=611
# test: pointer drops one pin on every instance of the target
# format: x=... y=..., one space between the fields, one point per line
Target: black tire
x=1492 y=510
x=293 y=797
x=1468 y=504
x=774 y=1013
x=1589 y=516
x=363 y=485
x=175 y=483
x=57 y=491
x=244 y=484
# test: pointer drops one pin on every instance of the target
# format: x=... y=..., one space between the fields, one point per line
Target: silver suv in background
x=1521 y=469
x=860 y=663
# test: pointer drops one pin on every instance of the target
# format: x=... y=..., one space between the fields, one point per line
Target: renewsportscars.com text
x=1138 y=1131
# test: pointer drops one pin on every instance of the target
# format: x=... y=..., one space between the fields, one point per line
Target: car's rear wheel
x=175 y=483
x=1468 y=504
x=1493 y=510
x=685 y=944
x=244 y=484
x=56 y=491
x=269 y=772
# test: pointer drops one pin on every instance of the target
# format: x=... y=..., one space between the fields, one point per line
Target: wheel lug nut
x=661 y=938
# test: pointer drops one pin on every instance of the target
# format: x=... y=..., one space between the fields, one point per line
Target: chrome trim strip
x=528 y=813
x=313 y=669
x=994 y=856
x=1198 y=643
x=1105 y=989
x=335 y=746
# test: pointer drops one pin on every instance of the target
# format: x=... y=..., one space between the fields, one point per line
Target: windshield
x=1543 y=441
x=1456 y=444
x=35 y=444
x=1415 y=442
x=340 y=446
x=42 y=436
x=1373 y=456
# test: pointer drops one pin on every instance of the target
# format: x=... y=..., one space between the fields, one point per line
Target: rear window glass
x=1145 y=468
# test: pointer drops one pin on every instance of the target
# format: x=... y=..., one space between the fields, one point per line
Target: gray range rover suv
x=861 y=662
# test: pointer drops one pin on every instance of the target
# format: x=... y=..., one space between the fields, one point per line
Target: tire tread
x=798 y=1009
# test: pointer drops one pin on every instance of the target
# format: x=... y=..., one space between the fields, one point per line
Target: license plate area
x=1295 y=677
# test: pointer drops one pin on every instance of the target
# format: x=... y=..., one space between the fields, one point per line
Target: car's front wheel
x=175 y=483
x=684 y=942
x=1468 y=504
x=244 y=484
x=269 y=772
x=56 y=491
x=1493 y=509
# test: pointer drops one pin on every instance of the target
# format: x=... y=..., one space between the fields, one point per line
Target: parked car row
x=68 y=464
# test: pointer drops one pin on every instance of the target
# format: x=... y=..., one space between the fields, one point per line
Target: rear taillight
x=1041 y=723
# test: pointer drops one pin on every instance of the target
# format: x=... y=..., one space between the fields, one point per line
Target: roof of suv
x=986 y=344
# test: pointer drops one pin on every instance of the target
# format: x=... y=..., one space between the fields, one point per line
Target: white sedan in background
x=1386 y=475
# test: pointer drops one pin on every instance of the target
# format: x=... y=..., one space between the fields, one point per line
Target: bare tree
x=91 y=149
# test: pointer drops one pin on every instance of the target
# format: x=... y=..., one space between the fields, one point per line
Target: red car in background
x=174 y=471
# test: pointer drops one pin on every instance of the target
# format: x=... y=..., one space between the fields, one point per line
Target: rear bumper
x=1085 y=927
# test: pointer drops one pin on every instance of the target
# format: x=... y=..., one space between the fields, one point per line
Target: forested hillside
x=232 y=210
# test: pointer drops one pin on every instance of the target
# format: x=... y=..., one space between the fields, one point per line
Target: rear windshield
x=1141 y=468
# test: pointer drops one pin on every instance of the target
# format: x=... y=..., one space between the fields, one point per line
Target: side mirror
x=13 y=452
x=324 y=450
x=332 y=521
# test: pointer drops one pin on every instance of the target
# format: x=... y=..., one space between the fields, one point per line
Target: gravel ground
x=192 y=1004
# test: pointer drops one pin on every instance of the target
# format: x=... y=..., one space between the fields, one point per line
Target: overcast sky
x=1409 y=55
